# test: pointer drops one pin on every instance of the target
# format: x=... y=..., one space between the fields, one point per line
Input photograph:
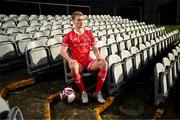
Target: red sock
x=78 y=81
x=100 y=80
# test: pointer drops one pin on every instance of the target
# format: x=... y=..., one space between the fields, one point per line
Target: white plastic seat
x=42 y=17
x=154 y=45
x=34 y=22
x=33 y=16
x=32 y=29
x=120 y=42
x=55 y=32
x=137 y=57
x=7 y=113
x=166 y=62
x=150 y=50
x=23 y=24
x=115 y=74
x=127 y=41
x=42 y=34
x=104 y=52
x=54 y=45
x=9 y=24
x=173 y=63
x=7 y=50
x=46 y=27
x=144 y=51
x=128 y=62
x=22 y=40
x=37 y=58
x=161 y=87
x=23 y=17
x=65 y=31
x=13 y=31
x=177 y=57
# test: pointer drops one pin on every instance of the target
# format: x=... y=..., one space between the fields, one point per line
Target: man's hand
x=71 y=61
x=99 y=59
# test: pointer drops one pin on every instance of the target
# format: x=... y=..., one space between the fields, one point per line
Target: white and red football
x=67 y=95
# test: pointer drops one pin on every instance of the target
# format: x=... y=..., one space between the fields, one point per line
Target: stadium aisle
x=136 y=102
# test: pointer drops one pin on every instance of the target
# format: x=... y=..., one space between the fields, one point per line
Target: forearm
x=64 y=54
x=96 y=52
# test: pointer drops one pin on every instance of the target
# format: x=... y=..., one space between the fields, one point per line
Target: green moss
x=170 y=28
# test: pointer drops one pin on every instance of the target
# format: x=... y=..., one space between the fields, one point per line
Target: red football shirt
x=79 y=44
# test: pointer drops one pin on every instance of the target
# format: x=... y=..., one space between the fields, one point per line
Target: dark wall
x=167 y=13
x=150 y=11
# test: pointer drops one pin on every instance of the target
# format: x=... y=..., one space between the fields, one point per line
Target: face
x=79 y=22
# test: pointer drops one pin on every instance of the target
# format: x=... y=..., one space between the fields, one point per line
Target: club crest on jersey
x=86 y=38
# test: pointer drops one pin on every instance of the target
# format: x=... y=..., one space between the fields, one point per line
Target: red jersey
x=79 y=44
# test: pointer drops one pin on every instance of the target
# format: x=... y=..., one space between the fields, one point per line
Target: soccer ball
x=67 y=95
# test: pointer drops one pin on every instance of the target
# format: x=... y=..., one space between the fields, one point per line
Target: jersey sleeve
x=92 y=38
x=66 y=41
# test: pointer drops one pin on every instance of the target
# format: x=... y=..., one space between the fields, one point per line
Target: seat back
x=161 y=88
x=115 y=73
x=54 y=45
x=37 y=57
x=128 y=62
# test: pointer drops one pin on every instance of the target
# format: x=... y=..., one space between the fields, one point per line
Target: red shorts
x=86 y=63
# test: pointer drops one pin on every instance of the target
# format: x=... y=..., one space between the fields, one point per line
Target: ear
x=72 y=20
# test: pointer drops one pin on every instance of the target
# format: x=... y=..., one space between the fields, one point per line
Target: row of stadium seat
x=165 y=75
x=128 y=63
x=42 y=57
x=16 y=45
x=15 y=48
x=9 y=27
x=119 y=47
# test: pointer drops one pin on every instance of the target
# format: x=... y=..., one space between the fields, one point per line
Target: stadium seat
x=150 y=50
x=115 y=76
x=56 y=32
x=22 y=40
x=34 y=22
x=174 y=63
x=68 y=75
x=32 y=29
x=178 y=51
x=175 y=53
x=42 y=17
x=161 y=88
x=45 y=27
x=120 y=43
x=7 y=113
x=169 y=68
x=137 y=57
x=104 y=52
x=144 y=51
x=14 y=31
x=23 y=24
x=8 y=50
x=154 y=45
x=9 y=24
x=54 y=45
x=65 y=31
x=37 y=58
x=128 y=63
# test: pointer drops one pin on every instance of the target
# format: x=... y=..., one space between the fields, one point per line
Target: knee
x=103 y=64
x=74 y=66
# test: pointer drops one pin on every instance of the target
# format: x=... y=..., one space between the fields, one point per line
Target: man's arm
x=96 y=52
x=63 y=52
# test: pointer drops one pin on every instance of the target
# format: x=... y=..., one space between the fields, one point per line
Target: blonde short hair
x=76 y=13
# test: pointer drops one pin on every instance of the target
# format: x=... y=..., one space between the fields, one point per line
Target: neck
x=79 y=30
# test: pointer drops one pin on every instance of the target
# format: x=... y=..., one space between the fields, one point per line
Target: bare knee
x=103 y=64
x=74 y=67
